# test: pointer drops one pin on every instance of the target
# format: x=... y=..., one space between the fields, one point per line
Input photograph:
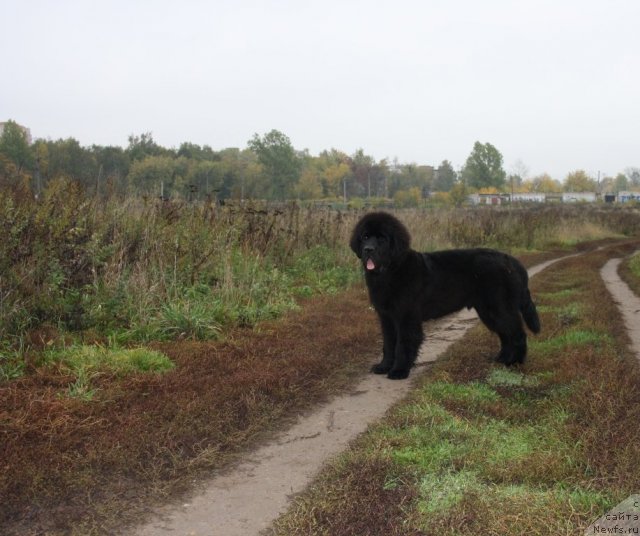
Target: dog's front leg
x=389 y=339
x=408 y=343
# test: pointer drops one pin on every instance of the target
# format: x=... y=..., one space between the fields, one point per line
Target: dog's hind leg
x=410 y=337
x=508 y=326
x=513 y=347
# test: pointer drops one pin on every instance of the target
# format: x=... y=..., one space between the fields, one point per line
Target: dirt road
x=626 y=300
x=246 y=499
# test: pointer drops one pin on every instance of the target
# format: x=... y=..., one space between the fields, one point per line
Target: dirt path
x=246 y=499
x=626 y=300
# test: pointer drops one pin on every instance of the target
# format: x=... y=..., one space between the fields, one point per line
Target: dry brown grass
x=91 y=466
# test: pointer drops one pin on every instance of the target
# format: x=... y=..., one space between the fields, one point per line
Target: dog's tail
x=529 y=312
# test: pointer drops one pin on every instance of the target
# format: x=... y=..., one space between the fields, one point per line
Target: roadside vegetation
x=629 y=271
x=545 y=448
x=147 y=342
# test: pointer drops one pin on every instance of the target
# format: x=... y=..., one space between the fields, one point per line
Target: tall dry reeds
x=147 y=268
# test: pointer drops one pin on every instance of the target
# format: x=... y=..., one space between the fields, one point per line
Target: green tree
x=113 y=167
x=196 y=152
x=15 y=147
x=281 y=165
x=445 y=177
x=362 y=170
x=155 y=175
x=67 y=158
x=144 y=145
x=620 y=183
x=407 y=176
x=483 y=168
x=633 y=174
x=579 y=181
x=205 y=176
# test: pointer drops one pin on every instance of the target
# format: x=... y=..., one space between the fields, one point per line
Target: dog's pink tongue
x=370 y=265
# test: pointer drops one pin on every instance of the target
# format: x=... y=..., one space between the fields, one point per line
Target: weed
x=11 y=364
x=81 y=387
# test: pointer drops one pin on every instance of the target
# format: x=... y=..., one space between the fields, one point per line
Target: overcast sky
x=553 y=84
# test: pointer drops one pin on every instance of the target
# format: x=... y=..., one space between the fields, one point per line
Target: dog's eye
x=365 y=236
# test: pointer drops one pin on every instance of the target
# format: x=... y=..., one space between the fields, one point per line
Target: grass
x=629 y=271
x=118 y=360
x=545 y=448
x=258 y=326
x=93 y=442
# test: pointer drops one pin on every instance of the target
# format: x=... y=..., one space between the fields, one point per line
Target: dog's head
x=379 y=240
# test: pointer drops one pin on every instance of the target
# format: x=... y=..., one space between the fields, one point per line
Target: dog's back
x=479 y=274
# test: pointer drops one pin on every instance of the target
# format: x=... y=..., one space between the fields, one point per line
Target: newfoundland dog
x=407 y=287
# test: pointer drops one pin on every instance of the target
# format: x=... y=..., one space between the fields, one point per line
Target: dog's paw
x=380 y=368
x=505 y=359
x=398 y=374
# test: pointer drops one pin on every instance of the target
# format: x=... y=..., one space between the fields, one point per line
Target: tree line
x=269 y=167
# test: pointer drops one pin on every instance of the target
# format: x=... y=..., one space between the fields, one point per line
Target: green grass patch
x=85 y=363
x=503 y=377
x=11 y=364
x=634 y=264
x=118 y=360
x=558 y=295
x=570 y=339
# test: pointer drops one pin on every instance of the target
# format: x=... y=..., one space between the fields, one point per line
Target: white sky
x=554 y=84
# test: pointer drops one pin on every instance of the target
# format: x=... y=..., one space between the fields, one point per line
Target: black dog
x=407 y=287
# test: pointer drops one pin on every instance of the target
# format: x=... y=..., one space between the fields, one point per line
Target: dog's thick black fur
x=407 y=287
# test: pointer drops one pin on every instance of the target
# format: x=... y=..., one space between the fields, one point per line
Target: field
x=146 y=344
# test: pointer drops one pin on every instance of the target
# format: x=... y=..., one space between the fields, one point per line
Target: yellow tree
x=335 y=174
x=543 y=184
x=579 y=181
x=309 y=185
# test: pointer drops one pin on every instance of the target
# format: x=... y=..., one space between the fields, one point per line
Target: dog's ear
x=400 y=239
x=355 y=243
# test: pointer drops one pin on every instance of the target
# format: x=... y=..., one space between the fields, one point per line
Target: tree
x=407 y=176
x=458 y=194
x=310 y=184
x=334 y=178
x=483 y=167
x=113 y=168
x=579 y=181
x=445 y=177
x=620 y=183
x=194 y=151
x=280 y=162
x=142 y=146
x=14 y=146
x=542 y=184
x=407 y=198
x=362 y=166
x=633 y=174
x=157 y=175
x=67 y=158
